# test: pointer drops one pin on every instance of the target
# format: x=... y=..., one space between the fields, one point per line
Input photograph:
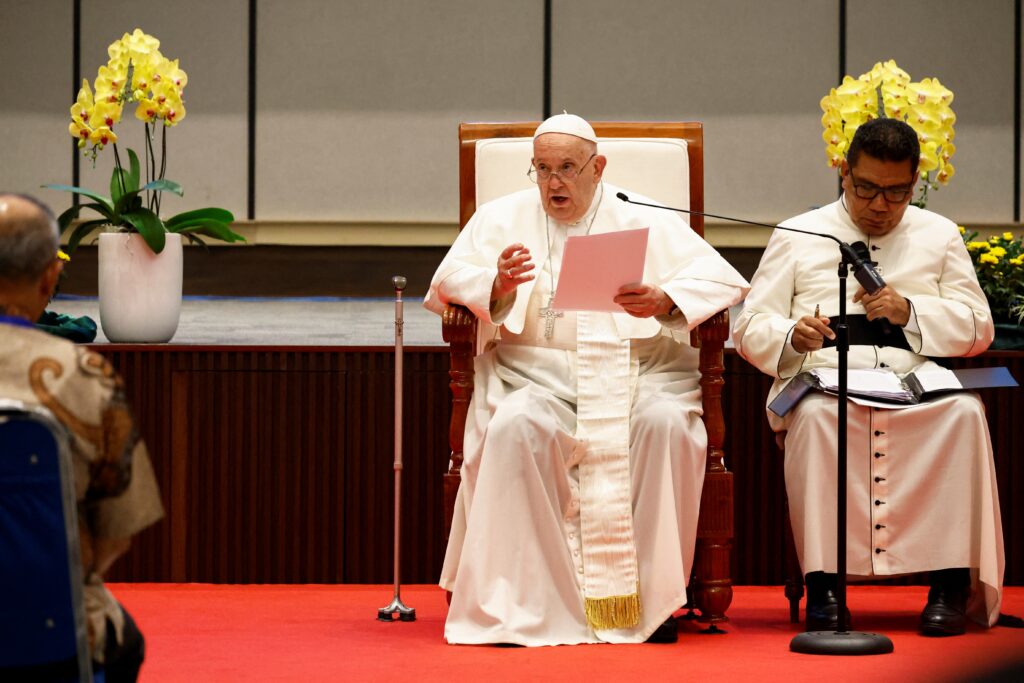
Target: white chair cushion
x=655 y=167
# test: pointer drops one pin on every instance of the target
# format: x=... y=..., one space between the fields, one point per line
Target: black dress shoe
x=823 y=612
x=666 y=633
x=946 y=611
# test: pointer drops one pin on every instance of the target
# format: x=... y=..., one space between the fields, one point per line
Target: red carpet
x=198 y=632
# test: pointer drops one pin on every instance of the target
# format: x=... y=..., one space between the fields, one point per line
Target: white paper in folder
x=594 y=267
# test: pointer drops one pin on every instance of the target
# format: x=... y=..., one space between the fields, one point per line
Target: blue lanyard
x=13 y=320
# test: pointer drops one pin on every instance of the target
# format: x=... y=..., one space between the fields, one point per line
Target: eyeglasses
x=893 y=195
x=568 y=171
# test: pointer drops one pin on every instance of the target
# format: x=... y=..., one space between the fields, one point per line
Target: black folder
x=969 y=378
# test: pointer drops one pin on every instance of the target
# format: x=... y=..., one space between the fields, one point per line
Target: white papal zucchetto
x=569 y=124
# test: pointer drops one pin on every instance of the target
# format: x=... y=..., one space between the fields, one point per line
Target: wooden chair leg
x=794 y=577
x=712 y=587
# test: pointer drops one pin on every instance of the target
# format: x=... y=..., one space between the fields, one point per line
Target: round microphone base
x=847 y=643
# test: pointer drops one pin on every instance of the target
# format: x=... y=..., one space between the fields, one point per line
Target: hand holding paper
x=643 y=301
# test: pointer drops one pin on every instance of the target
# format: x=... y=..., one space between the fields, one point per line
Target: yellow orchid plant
x=887 y=91
x=136 y=74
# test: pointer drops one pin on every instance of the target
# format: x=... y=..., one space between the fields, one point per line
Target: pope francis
x=584 y=450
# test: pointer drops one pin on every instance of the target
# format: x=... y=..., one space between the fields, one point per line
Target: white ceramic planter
x=139 y=291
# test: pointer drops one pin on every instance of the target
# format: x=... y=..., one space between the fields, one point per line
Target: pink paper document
x=595 y=266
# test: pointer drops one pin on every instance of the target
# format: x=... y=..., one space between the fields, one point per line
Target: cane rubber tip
x=399 y=282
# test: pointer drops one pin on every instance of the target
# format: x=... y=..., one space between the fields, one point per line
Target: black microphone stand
x=842 y=641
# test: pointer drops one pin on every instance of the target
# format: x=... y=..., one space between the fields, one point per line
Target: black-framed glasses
x=567 y=171
x=893 y=195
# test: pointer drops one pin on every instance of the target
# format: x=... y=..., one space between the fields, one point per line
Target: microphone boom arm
x=863 y=271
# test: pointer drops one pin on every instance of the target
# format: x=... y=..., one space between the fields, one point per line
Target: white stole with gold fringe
x=611 y=587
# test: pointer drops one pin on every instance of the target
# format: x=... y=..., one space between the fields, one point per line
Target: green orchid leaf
x=163 y=185
x=79 y=233
x=209 y=228
x=64 y=220
x=125 y=181
x=149 y=226
x=118 y=180
x=98 y=208
x=105 y=201
x=195 y=241
x=222 y=215
x=127 y=202
x=134 y=173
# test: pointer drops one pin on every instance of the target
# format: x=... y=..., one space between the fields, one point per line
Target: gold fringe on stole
x=617 y=611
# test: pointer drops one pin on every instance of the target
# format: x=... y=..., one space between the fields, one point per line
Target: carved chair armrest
x=458 y=328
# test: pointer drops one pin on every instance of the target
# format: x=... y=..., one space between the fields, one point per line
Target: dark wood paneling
x=276 y=464
x=278 y=270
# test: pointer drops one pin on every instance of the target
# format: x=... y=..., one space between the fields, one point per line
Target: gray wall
x=358 y=101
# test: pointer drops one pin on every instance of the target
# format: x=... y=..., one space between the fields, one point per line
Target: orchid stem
x=163 y=161
x=146 y=152
x=154 y=196
x=120 y=169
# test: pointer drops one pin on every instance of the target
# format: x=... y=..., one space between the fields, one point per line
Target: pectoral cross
x=549 y=314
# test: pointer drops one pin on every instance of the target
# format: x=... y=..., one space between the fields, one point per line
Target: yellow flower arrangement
x=136 y=73
x=887 y=91
x=998 y=263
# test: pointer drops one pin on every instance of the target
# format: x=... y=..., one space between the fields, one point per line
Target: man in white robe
x=584 y=450
x=921 y=481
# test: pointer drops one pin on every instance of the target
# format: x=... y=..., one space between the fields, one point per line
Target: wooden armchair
x=493 y=159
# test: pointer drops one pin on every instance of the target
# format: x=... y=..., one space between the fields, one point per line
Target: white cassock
x=922 y=489
x=516 y=561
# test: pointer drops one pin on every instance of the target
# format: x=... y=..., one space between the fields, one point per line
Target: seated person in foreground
x=584 y=449
x=114 y=483
x=922 y=489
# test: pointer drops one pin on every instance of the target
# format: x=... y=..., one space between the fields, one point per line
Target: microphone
x=863 y=270
x=861 y=250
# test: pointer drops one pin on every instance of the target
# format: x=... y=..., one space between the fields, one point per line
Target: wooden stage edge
x=276 y=463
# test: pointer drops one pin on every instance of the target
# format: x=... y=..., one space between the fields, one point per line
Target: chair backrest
x=664 y=161
x=42 y=614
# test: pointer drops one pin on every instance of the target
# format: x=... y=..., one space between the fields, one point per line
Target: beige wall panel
x=969 y=47
x=752 y=72
x=208 y=149
x=359 y=102
x=35 y=97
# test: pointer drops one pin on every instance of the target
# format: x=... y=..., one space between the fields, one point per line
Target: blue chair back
x=42 y=614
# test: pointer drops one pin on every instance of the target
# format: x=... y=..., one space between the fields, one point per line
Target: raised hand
x=514 y=266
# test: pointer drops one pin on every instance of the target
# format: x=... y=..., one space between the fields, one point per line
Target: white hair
x=29 y=240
